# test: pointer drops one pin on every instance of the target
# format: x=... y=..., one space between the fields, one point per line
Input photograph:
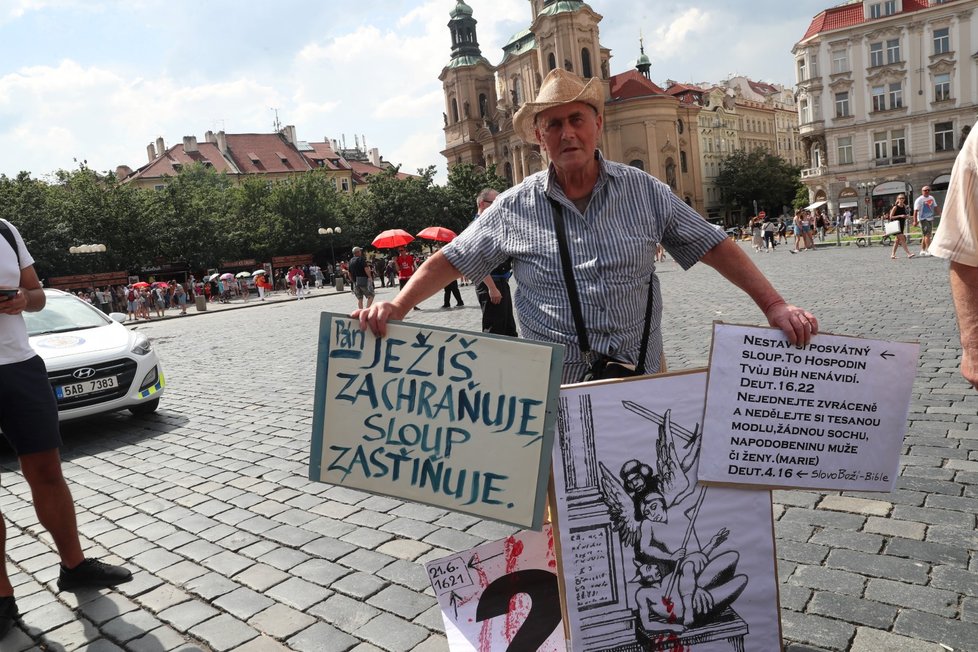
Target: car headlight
x=142 y=345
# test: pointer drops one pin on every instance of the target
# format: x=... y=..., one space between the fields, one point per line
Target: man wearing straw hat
x=613 y=215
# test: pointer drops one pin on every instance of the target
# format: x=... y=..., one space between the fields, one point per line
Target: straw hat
x=559 y=87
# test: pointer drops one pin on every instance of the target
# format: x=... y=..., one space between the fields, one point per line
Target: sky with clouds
x=97 y=80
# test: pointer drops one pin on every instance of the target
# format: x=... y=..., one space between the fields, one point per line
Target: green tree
x=759 y=176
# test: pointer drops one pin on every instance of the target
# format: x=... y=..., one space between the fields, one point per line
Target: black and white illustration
x=651 y=559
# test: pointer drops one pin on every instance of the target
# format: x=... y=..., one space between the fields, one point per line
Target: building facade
x=741 y=114
x=886 y=93
x=643 y=125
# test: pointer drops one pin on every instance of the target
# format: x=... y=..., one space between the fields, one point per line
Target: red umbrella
x=160 y=284
x=140 y=285
x=438 y=233
x=392 y=239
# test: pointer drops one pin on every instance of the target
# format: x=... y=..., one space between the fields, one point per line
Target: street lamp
x=867 y=189
x=330 y=231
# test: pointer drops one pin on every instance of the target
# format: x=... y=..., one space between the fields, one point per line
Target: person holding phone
x=29 y=420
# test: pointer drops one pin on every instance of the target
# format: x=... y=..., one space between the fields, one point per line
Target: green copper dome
x=461 y=9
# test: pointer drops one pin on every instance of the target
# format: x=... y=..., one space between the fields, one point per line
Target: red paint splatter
x=485 y=632
x=669 y=642
x=518 y=607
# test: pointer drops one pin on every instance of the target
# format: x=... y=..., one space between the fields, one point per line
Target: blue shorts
x=28 y=409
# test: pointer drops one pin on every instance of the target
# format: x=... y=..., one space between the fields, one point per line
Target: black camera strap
x=575 y=302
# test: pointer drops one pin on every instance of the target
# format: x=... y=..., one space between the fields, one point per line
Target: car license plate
x=85 y=387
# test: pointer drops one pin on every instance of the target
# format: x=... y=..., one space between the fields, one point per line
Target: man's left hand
x=14 y=305
x=797 y=323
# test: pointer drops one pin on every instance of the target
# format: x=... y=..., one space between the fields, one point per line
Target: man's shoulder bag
x=600 y=366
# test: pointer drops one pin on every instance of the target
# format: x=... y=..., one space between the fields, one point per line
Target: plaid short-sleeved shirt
x=612 y=247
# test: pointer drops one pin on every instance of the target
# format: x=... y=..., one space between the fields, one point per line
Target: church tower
x=469 y=84
x=644 y=64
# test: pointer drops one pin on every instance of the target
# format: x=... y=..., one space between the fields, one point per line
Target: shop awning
x=817 y=204
x=848 y=204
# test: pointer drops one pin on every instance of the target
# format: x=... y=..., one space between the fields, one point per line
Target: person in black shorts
x=29 y=420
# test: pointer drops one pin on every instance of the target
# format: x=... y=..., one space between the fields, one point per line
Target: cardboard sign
x=831 y=415
x=501 y=595
x=457 y=420
x=651 y=559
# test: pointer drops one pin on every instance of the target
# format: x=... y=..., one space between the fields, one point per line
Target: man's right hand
x=495 y=296
x=377 y=315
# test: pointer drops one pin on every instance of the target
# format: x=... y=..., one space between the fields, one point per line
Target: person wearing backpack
x=132 y=302
x=30 y=424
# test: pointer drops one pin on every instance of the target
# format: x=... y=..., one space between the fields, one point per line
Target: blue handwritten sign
x=454 y=419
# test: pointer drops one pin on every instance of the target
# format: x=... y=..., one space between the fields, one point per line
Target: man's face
x=654 y=509
x=487 y=202
x=569 y=134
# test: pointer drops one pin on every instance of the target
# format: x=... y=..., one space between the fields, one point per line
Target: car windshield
x=63 y=312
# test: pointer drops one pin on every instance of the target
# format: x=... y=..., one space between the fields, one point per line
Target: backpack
x=8 y=235
x=132 y=295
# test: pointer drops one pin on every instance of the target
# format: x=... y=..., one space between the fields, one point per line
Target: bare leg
x=53 y=503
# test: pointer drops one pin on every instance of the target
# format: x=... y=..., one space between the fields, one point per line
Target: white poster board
x=651 y=559
x=831 y=415
x=501 y=595
x=458 y=420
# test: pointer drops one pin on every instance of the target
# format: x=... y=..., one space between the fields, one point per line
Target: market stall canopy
x=817 y=204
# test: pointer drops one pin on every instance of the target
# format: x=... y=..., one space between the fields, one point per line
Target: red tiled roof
x=762 y=87
x=324 y=152
x=168 y=163
x=272 y=152
x=632 y=84
x=849 y=15
x=677 y=88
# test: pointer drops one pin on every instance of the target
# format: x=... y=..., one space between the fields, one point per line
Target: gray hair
x=485 y=192
x=357 y=251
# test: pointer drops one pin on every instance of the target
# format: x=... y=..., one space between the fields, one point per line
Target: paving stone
x=929 y=627
x=367 y=561
x=261 y=644
x=320 y=571
x=48 y=617
x=321 y=638
x=106 y=607
x=210 y=586
x=187 y=614
x=803 y=553
x=856 y=505
x=261 y=577
x=955 y=579
x=828 y=580
x=297 y=593
x=816 y=630
x=280 y=621
x=962 y=537
x=224 y=632
x=407 y=574
x=346 y=613
x=911 y=596
x=895 y=528
x=359 y=585
x=283 y=558
x=452 y=540
x=364 y=537
x=895 y=568
x=181 y=572
x=927 y=551
x=392 y=633
x=227 y=563
x=328 y=548
x=853 y=610
x=794 y=597
x=793 y=531
x=402 y=601
x=873 y=640
x=243 y=603
x=72 y=635
x=861 y=541
x=130 y=625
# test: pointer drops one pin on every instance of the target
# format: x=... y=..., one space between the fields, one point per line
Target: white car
x=95 y=363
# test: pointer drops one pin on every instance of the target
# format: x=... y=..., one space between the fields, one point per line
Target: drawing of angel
x=681 y=583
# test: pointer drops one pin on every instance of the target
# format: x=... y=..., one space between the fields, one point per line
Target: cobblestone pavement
x=233 y=549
